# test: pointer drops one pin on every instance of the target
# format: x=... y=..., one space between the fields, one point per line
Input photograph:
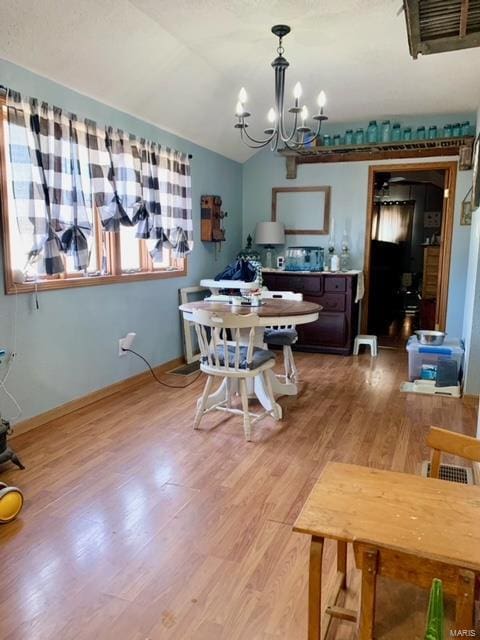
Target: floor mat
x=186 y=369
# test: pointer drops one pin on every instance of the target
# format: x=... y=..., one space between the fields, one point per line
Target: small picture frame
x=466 y=213
x=432 y=219
x=476 y=174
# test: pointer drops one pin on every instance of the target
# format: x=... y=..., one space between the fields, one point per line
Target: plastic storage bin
x=421 y=354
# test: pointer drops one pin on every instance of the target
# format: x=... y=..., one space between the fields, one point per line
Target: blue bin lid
x=450 y=346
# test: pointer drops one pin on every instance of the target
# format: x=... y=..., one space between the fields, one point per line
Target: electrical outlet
x=125 y=343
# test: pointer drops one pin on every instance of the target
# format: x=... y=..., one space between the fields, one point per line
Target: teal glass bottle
x=349 y=136
x=386 y=131
x=359 y=136
x=396 y=133
x=407 y=134
x=432 y=132
x=420 y=133
x=466 y=128
x=447 y=131
x=372 y=132
x=456 y=130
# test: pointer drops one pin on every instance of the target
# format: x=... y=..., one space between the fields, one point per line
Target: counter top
x=351 y=272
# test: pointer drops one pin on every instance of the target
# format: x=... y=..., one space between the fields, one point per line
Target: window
x=115 y=242
x=392 y=221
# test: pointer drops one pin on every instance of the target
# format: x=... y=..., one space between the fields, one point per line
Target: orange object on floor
x=11 y=503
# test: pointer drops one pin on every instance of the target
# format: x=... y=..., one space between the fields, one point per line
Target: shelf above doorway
x=459 y=146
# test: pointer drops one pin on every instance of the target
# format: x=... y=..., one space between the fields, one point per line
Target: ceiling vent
x=434 y=26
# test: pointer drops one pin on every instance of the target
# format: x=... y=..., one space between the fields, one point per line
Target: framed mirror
x=302 y=210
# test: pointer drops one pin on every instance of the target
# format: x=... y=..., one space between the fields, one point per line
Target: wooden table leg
x=465 y=603
x=333 y=609
x=342 y=561
x=368 y=595
x=315 y=589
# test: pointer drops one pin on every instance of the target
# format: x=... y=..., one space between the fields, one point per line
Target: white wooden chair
x=284 y=336
x=235 y=360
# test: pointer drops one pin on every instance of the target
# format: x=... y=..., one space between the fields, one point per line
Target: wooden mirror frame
x=323 y=231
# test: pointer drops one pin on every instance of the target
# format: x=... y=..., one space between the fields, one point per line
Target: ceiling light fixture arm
x=257 y=144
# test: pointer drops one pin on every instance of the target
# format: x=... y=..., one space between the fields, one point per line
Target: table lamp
x=269 y=234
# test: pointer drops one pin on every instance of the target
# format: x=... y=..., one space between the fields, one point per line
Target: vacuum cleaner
x=11 y=498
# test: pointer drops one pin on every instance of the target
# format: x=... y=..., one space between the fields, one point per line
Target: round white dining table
x=271 y=313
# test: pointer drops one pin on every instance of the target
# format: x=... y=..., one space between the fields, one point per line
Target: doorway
x=407 y=249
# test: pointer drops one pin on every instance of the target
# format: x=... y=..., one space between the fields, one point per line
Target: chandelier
x=300 y=135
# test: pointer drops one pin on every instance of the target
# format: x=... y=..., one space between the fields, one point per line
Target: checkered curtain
x=51 y=184
x=175 y=187
x=125 y=178
x=152 y=186
x=61 y=166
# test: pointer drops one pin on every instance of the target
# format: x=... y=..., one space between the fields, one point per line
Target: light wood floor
x=137 y=528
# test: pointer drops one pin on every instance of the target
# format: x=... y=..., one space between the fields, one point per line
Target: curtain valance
x=62 y=166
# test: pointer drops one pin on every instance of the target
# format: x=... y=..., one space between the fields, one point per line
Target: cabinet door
x=270 y=281
x=291 y=283
x=333 y=302
x=329 y=330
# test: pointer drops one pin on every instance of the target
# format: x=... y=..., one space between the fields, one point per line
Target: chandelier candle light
x=300 y=135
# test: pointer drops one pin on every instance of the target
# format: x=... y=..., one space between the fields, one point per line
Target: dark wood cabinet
x=337 y=324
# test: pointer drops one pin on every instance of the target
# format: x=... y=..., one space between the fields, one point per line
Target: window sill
x=85 y=281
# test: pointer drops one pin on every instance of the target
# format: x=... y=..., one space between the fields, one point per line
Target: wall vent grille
x=450 y=472
x=434 y=26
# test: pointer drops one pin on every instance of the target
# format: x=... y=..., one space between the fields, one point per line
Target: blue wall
x=471 y=323
x=69 y=346
x=349 y=183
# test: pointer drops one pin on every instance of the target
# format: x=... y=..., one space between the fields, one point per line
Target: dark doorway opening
x=407 y=219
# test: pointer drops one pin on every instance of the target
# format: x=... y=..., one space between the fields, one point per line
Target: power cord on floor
x=165 y=384
x=11 y=357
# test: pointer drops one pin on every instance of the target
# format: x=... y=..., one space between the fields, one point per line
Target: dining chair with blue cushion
x=283 y=336
x=227 y=349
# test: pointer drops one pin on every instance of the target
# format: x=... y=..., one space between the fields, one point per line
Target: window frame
x=148 y=271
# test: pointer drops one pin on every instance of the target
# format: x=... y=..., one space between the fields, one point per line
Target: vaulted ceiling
x=180 y=63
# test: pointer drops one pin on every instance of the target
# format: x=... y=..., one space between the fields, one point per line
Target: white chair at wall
x=284 y=336
x=236 y=360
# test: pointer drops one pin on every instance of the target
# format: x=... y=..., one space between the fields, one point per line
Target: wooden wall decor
x=316 y=213
x=467 y=209
x=459 y=146
x=212 y=219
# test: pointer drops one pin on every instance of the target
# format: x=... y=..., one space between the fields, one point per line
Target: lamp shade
x=269 y=233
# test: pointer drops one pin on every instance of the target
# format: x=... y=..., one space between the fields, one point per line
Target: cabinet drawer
x=270 y=281
x=332 y=302
x=313 y=285
x=335 y=283
x=289 y=283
